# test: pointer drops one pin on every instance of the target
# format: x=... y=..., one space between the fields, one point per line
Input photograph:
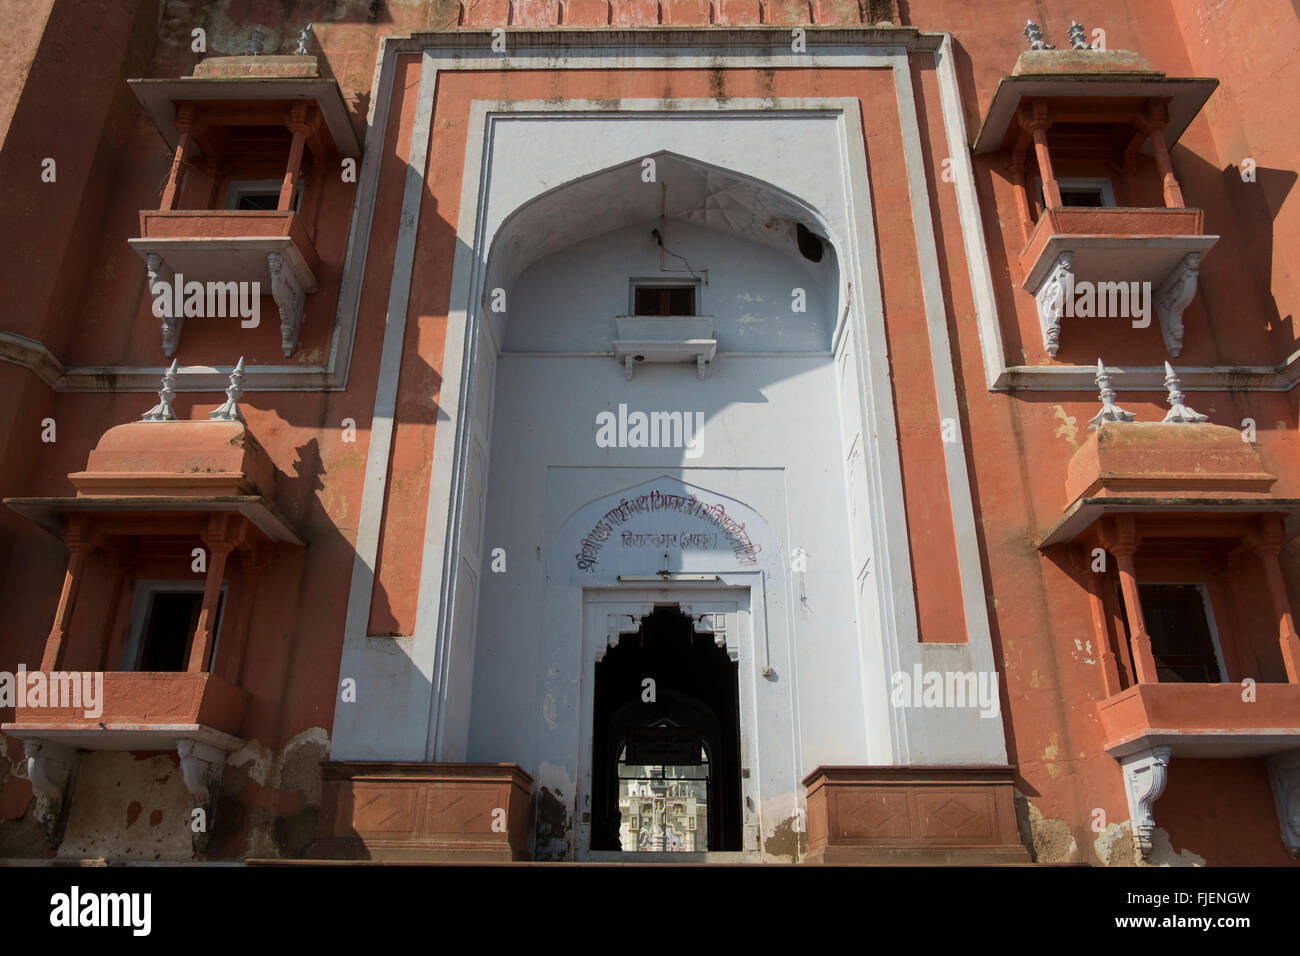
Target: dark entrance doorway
x=666 y=772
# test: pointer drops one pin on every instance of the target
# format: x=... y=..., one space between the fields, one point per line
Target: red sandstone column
x=1267 y=546
x=1158 y=117
x=1123 y=546
x=79 y=548
x=1038 y=124
x=184 y=123
x=1109 y=668
x=297 y=124
x=219 y=547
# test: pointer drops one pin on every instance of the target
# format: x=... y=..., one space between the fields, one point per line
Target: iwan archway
x=619 y=479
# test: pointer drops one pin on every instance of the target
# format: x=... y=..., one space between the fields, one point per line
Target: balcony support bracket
x=1172 y=298
x=51 y=768
x=1284 y=775
x=201 y=766
x=1050 y=298
x=161 y=273
x=289 y=297
x=1145 y=775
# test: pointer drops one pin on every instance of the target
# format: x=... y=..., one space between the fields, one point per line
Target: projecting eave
x=48 y=512
x=159 y=98
x=1186 y=96
x=1083 y=513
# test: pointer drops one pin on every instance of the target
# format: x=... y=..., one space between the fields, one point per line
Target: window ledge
x=666 y=339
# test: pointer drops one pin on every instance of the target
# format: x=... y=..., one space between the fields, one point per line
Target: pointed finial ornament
x=1110 y=412
x=1178 y=412
x=255 y=42
x=1035 y=37
x=1075 y=35
x=301 y=49
x=229 y=410
x=162 y=412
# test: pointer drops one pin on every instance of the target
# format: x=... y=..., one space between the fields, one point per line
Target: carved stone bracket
x=1284 y=775
x=201 y=766
x=289 y=298
x=1145 y=775
x=160 y=272
x=1173 y=296
x=51 y=769
x=1050 y=298
x=617 y=625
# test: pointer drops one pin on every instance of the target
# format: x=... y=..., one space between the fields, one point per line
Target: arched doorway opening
x=666 y=742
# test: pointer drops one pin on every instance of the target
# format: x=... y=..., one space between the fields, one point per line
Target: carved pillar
x=1093 y=581
x=1037 y=122
x=1145 y=776
x=1154 y=126
x=1122 y=545
x=297 y=123
x=79 y=547
x=184 y=125
x=219 y=545
x=51 y=768
x=1267 y=545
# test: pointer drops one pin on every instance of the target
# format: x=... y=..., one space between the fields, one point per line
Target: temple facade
x=736 y=431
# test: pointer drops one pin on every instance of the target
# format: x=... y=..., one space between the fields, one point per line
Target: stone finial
x=255 y=42
x=1035 y=37
x=229 y=410
x=1075 y=35
x=162 y=412
x=303 y=40
x=1110 y=412
x=1178 y=412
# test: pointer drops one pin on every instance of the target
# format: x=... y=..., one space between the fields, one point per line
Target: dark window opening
x=810 y=244
x=1082 y=197
x=169 y=628
x=665 y=300
x=1181 y=641
x=666 y=773
x=259 y=201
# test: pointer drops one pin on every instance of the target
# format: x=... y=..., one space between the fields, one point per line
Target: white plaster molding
x=1173 y=296
x=1284 y=775
x=289 y=297
x=159 y=271
x=1050 y=300
x=983 y=735
x=619 y=624
x=1145 y=774
x=712 y=620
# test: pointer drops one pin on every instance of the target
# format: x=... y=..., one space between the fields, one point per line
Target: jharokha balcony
x=1172 y=530
x=1084 y=137
x=251 y=138
x=171 y=528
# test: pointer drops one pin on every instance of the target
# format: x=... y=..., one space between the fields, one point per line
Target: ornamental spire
x=1110 y=412
x=1035 y=37
x=229 y=410
x=1178 y=412
x=162 y=412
